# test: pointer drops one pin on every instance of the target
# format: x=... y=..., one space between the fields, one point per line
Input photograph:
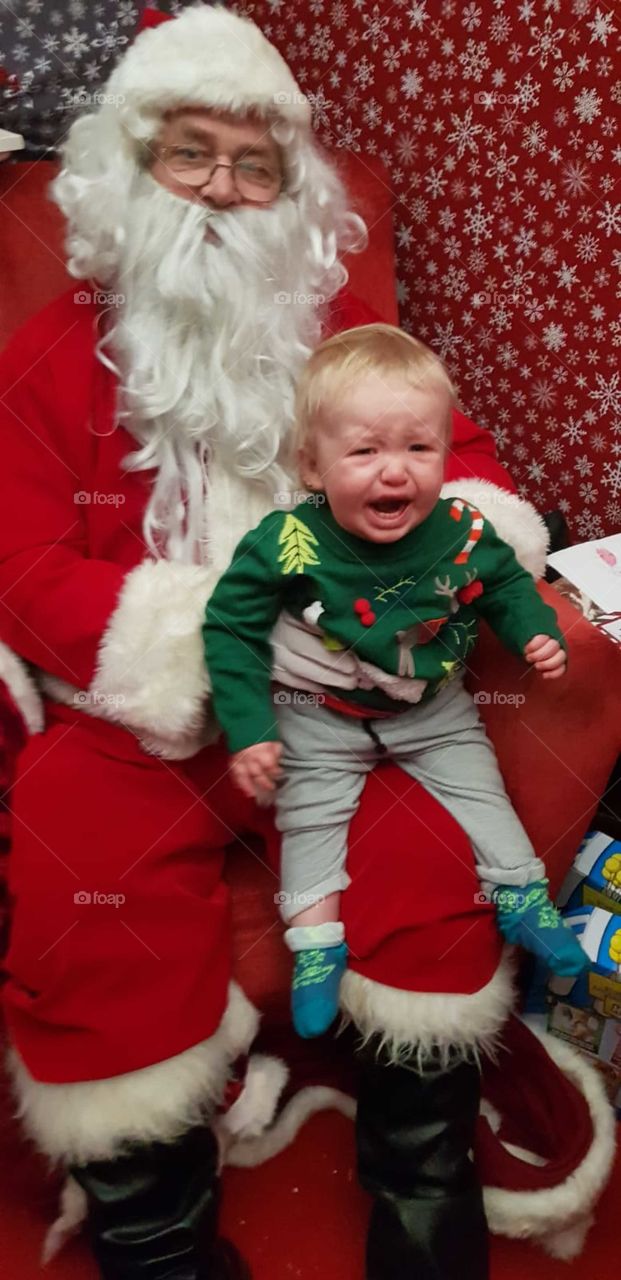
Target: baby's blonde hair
x=339 y=362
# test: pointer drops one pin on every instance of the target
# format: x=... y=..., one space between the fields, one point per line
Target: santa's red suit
x=119 y=1002
x=117 y=637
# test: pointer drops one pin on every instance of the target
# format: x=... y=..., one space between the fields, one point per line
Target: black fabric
x=560 y=538
x=414 y=1134
x=153 y=1213
x=380 y=747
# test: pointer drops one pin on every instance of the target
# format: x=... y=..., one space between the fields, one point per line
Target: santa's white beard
x=209 y=339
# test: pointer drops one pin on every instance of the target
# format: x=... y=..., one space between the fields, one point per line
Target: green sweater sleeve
x=240 y=615
x=510 y=602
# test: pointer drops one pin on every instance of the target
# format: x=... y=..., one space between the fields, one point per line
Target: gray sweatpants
x=441 y=743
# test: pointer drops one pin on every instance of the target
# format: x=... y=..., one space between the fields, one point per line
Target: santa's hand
x=547 y=656
x=256 y=769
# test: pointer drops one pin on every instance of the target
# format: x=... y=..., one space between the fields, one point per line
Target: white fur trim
x=568 y=1242
x=73 y=1210
x=515 y=520
x=434 y=1026
x=254 y=1110
x=22 y=689
x=98 y=1119
x=560 y=1216
x=207 y=57
x=239 y=1147
x=306 y=1102
x=151 y=675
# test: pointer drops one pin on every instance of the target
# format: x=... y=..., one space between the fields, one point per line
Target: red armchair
x=557 y=743
x=556 y=748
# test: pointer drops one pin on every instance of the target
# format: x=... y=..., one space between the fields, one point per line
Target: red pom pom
x=152 y=18
x=362 y=606
x=367 y=619
x=469 y=593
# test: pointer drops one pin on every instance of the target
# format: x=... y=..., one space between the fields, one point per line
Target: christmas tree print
x=297 y=544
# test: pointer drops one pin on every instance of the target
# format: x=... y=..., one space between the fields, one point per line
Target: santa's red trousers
x=120 y=950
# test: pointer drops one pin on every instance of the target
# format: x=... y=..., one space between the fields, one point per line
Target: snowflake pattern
x=501 y=138
x=499 y=128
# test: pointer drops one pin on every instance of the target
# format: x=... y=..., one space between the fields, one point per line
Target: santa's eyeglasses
x=255 y=180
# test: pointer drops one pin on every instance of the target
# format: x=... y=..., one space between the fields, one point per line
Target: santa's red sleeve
x=473 y=451
x=54 y=601
x=120 y=634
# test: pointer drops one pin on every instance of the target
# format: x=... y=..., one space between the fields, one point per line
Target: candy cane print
x=476 y=528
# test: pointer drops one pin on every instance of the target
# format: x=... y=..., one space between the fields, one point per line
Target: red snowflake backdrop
x=498 y=125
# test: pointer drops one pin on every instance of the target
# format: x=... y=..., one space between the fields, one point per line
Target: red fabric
x=556 y=740
x=353 y=709
x=63 y=488
x=267 y=1211
x=62 y=563
x=83 y=976
x=152 y=18
x=65 y=600
x=497 y=125
x=32 y=264
x=154 y=832
x=542 y=1111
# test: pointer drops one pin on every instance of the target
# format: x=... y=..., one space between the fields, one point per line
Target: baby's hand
x=256 y=768
x=547 y=656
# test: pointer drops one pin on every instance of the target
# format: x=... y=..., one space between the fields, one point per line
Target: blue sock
x=319 y=966
x=528 y=916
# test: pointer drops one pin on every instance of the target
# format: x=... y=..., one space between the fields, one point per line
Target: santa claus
x=146 y=425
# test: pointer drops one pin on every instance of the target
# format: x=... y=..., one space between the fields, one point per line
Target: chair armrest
x=556 y=740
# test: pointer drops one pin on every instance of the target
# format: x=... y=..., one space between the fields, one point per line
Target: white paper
x=11 y=141
x=595 y=568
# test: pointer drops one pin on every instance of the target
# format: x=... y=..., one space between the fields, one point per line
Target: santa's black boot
x=414 y=1133
x=153 y=1212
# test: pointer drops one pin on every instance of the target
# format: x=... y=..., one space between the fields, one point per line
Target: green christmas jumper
x=409 y=608
x=409 y=611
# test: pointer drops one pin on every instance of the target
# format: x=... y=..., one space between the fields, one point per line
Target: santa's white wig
x=207 y=338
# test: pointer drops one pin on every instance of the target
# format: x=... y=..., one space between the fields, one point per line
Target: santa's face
x=217 y=159
x=218 y=315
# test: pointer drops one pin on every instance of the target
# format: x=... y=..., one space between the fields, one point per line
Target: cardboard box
x=595 y=877
x=586 y=1011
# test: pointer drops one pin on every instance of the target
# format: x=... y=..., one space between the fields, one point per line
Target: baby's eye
x=418 y=448
x=360 y=452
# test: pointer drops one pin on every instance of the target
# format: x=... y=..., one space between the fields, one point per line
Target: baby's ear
x=307 y=467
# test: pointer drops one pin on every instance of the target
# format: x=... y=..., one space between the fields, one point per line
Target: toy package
x=595 y=877
x=586 y=1011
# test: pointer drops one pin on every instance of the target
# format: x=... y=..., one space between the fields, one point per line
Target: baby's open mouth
x=389 y=506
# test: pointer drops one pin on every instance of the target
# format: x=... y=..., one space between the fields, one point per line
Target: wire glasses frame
x=254 y=180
